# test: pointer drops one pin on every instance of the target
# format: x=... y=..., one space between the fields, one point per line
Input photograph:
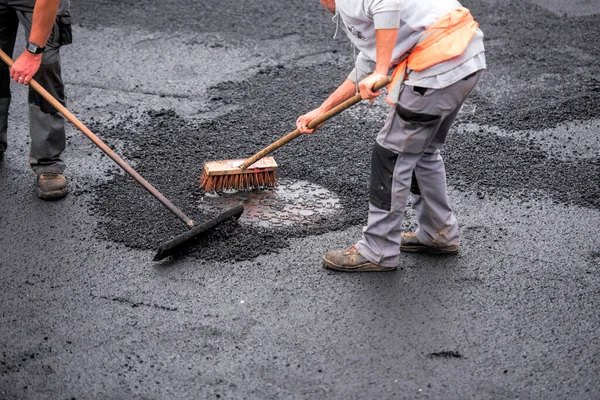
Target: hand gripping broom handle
x=79 y=125
x=312 y=125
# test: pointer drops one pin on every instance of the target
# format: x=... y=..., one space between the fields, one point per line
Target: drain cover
x=290 y=203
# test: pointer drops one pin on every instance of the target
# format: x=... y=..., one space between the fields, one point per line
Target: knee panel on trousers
x=49 y=77
x=383 y=162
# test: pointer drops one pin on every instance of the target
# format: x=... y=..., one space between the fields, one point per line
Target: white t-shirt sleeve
x=386 y=13
x=386 y=20
x=378 y=6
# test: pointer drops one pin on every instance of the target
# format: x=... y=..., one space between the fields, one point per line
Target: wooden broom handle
x=79 y=125
x=312 y=125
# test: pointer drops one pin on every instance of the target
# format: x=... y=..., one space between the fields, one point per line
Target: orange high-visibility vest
x=447 y=38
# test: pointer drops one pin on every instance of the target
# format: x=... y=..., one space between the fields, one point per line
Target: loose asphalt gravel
x=247 y=311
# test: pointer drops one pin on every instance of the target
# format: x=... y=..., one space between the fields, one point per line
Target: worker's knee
x=383 y=162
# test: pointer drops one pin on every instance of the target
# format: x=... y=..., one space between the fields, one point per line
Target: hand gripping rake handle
x=79 y=125
x=312 y=125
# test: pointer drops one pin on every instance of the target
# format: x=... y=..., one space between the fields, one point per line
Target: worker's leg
x=8 y=31
x=410 y=129
x=437 y=224
x=46 y=125
x=389 y=189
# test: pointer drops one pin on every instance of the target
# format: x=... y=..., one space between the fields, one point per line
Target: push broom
x=258 y=171
x=171 y=246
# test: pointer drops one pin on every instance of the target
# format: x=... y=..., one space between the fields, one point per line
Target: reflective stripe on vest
x=448 y=37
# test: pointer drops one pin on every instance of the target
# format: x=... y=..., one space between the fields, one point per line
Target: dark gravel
x=542 y=75
x=338 y=157
x=514 y=315
x=257 y=19
x=137 y=220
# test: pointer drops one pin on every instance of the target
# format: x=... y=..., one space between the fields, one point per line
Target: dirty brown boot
x=51 y=185
x=411 y=244
x=350 y=260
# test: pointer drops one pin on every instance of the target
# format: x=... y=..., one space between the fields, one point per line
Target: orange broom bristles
x=227 y=175
x=244 y=181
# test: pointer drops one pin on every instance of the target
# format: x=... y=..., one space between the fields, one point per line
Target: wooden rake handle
x=79 y=125
x=312 y=125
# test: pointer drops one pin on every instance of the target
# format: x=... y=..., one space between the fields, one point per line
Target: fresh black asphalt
x=248 y=312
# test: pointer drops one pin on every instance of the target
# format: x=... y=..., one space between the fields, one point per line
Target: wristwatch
x=34 y=48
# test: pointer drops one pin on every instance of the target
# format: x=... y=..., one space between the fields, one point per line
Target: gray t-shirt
x=27 y=5
x=64 y=7
x=361 y=18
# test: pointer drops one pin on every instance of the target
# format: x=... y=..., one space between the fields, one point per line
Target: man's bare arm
x=44 y=17
x=346 y=90
x=386 y=40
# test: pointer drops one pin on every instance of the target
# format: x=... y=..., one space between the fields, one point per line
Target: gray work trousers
x=407 y=153
x=46 y=125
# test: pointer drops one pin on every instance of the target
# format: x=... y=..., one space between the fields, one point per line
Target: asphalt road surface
x=248 y=312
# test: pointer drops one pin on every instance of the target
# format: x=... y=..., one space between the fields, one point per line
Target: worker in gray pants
x=425 y=102
x=47 y=27
x=406 y=158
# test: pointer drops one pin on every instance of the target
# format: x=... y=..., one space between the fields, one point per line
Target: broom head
x=228 y=175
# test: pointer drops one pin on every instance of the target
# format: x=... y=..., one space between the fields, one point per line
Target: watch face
x=33 y=48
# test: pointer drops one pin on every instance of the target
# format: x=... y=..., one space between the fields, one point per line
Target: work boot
x=350 y=260
x=410 y=243
x=51 y=185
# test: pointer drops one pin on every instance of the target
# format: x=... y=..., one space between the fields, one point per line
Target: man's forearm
x=44 y=16
x=341 y=94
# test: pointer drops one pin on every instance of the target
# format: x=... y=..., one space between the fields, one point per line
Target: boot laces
x=48 y=175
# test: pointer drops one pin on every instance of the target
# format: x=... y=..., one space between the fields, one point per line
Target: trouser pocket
x=65 y=33
x=415 y=130
x=49 y=77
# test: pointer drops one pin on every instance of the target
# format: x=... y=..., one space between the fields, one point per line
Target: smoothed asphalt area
x=249 y=312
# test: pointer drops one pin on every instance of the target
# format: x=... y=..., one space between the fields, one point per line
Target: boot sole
x=366 y=267
x=428 y=250
x=54 y=195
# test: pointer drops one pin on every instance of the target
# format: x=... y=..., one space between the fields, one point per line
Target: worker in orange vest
x=435 y=50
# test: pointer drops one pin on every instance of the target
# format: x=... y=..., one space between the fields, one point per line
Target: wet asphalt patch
x=169 y=151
